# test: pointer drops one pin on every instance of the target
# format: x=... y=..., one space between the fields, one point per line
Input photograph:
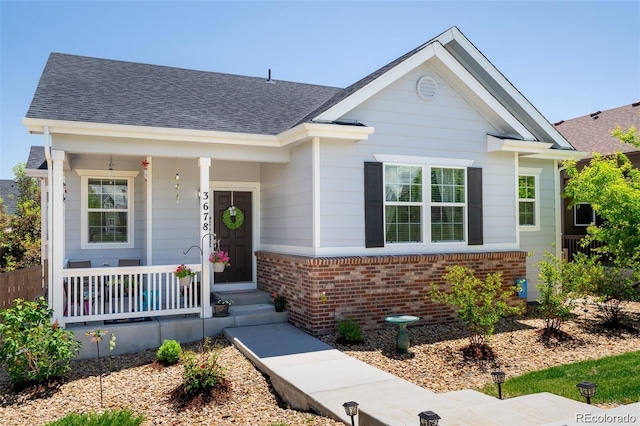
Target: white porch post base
x=207 y=311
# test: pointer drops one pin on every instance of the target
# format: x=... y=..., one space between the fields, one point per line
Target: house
x=9 y=194
x=592 y=133
x=350 y=202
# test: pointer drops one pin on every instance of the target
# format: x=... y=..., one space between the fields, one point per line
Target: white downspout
x=558 y=206
x=46 y=234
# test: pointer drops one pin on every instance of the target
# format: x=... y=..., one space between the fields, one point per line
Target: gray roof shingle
x=37 y=159
x=79 y=88
x=592 y=132
x=9 y=193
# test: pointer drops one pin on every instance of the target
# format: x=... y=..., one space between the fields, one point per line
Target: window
x=583 y=214
x=107 y=214
x=403 y=207
x=528 y=199
x=108 y=210
x=447 y=204
x=404 y=203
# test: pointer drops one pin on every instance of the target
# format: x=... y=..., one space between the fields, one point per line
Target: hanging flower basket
x=184 y=274
x=185 y=281
x=220 y=260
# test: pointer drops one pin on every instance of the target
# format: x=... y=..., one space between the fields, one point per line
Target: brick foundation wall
x=369 y=288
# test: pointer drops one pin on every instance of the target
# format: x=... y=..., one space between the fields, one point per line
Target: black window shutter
x=373 y=205
x=474 y=185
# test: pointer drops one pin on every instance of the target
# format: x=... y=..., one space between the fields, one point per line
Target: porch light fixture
x=498 y=379
x=110 y=167
x=587 y=390
x=351 y=408
x=428 y=418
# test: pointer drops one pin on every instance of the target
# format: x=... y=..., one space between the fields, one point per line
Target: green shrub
x=202 y=370
x=561 y=284
x=107 y=418
x=480 y=304
x=32 y=348
x=349 y=331
x=170 y=352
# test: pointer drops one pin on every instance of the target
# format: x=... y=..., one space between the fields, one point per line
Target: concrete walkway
x=312 y=376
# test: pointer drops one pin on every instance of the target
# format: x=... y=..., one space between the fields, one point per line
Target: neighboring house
x=354 y=200
x=592 y=133
x=9 y=194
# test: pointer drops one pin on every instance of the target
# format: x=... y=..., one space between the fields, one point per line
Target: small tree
x=20 y=232
x=611 y=185
x=31 y=347
x=561 y=284
x=617 y=287
x=480 y=304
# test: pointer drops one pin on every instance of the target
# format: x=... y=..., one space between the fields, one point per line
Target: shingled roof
x=592 y=132
x=85 y=89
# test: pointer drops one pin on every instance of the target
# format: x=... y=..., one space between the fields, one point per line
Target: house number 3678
x=205 y=211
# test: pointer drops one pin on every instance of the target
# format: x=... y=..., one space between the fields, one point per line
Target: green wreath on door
x=233 y=218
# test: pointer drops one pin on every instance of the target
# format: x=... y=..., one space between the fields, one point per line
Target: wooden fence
x=26 y=284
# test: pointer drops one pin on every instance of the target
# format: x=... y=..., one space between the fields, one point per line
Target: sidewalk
x=312 y=376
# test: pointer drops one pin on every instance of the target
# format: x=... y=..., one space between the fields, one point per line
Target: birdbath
x=402 y=341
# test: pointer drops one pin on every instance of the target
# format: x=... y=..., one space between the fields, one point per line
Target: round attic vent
x=427 y=88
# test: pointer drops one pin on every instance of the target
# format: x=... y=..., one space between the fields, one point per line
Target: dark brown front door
x=237 y=242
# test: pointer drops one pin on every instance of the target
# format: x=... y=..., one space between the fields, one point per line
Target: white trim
x=535 y=173
x=254 y=188
x=532 y=149
x=391 y=249
x=375 y=86
x=430 y=161
x=479 y=90
x=299 y=133
x=479 y=58
x=315 y=159
x=84 y=209
x=107 y=173
x=149 y=207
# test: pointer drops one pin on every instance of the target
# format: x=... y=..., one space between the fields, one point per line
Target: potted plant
x=220 y=260
x=279 y=302
x=221 y=307
x=184 y=274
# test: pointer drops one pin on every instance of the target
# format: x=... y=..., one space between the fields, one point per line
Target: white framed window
x=403 y=203
x=529 y=199
x=583 y=214
x=448 y=204
x=412 y=201
x=107 y=209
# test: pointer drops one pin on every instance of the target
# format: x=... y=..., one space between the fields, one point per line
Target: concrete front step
x=243 y=297
x=140 y=335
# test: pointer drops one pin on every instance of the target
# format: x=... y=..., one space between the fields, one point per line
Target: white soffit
x=296 y=134
x=531 y=149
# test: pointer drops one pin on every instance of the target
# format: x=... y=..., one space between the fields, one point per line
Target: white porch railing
x=97 y=294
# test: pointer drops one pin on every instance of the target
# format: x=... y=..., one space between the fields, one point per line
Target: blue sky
x=569 y=58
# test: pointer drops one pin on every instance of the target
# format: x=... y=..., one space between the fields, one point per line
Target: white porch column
x=57 y=235
x=205 y=232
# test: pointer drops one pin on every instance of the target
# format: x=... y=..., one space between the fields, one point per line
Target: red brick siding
x=369 y=288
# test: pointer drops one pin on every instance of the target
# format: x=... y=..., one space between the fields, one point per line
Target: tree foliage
x=561 y=284
x=20 y=232
x=480 y=304
x=31 y=348
x=611 y=185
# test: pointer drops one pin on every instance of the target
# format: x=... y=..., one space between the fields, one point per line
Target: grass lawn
x=617 y=377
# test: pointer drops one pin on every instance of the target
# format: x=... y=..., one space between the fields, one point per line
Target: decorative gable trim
x=366 y=92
